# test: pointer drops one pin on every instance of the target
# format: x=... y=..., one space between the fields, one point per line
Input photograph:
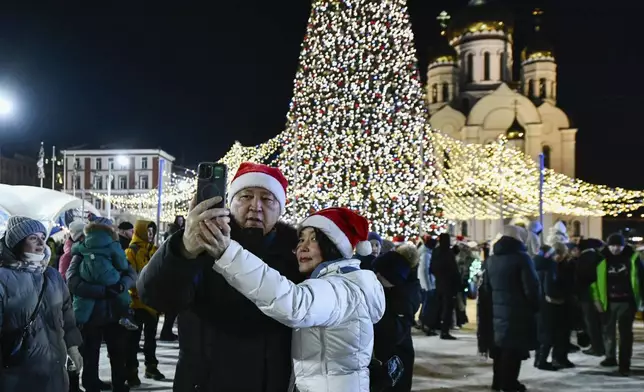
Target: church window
x=464 y=228
x=546 y=151
x=552 y=90
x=542 y=88
x=465 y=105
x=576 y=228
x=530 y=88
x=486 y=66
x=434 y=93
x=445 y=92
x=470 y=68
x=502 y=66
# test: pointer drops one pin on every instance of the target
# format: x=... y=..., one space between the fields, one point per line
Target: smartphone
x=212 y=180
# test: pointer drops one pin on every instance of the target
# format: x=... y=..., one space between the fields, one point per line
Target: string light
x=357 y=136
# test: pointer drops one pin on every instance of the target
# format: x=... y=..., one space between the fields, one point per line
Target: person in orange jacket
x=138 y=255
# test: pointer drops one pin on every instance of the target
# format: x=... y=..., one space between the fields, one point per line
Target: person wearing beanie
x=339 y=302
x=511 y=293
x=617 y=293
x=25 y=277
x=138 y=255
x=125 y=231
x=376 y=245
x=393 y=332
x=179 y=279
x=585 y=275
x=76 y=235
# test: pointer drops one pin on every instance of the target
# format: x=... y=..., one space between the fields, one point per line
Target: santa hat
x=345 y=228
x=250 y=175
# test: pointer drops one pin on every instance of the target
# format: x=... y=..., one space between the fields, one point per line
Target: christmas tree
x=357 y=131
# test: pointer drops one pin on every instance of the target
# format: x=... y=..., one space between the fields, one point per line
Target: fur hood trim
x=410 y=253
x=94 y=227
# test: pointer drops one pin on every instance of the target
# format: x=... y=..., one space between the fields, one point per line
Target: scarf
x=31 y=262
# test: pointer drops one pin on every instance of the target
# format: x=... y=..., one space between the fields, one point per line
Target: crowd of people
x=267 y=307
x=531 y=298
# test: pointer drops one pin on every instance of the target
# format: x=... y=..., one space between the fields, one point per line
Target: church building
x=474 y=97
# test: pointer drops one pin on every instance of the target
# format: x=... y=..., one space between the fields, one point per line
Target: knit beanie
x=392 y=266
x=21 y=227
x=76 y=230
x=126 y=226
x=374 y=236
x=100 y=220
x=616 y=239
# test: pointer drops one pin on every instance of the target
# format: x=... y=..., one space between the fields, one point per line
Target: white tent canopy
x=37 y=203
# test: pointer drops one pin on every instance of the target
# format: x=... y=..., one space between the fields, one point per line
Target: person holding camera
x=223 y=337
x=37 y=329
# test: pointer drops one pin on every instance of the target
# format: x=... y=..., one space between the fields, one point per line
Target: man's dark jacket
x=225 y=343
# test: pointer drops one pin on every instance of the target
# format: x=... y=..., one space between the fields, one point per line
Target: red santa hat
x=345 y=228
x=251 y=175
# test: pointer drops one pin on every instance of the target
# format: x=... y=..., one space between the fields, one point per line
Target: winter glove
x=76 y=358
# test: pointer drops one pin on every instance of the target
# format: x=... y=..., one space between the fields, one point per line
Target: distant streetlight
x=123 y=162
x=6 y=107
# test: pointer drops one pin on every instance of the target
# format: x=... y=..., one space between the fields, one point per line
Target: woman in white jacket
x=332 y=312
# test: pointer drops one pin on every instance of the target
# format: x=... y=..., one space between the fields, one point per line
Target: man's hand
x=207 y=229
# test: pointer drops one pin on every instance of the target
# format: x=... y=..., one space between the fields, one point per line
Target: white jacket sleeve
x=313 y=303
x=423 y=274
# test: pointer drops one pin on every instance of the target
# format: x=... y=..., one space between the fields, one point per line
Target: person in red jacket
x=76 y=234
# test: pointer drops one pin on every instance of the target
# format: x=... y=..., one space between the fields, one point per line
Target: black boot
x=541 y=360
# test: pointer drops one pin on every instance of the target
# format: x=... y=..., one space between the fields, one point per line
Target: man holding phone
x=226 y=343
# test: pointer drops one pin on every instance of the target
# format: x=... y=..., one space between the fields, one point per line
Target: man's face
x=150 y=234
x=255 y=208
x=127 y=233
x=615 y=249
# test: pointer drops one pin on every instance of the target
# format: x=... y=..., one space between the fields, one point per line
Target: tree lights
x=357 y=136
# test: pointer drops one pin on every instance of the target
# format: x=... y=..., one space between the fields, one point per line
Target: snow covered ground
x=454 y=366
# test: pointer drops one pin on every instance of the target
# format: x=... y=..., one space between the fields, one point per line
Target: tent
x=45 y=205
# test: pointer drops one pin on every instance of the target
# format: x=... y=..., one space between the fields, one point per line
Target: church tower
x=481 y=34
x=538 y=66
x=442 y=73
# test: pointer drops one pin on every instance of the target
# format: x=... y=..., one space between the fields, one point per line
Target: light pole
x=6 y=110
x=123 y=162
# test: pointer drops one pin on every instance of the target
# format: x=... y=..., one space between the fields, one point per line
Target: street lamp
x=6 y=110
x=123 y=162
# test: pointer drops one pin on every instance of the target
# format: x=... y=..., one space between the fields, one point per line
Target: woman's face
x=308 y=251
x=150 y=234
x=180 y=221
x=35 y=243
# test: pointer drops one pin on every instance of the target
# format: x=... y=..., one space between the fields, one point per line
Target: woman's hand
x=76 y=357
x=198 y=237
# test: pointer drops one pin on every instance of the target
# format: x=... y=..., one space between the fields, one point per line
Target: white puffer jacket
x=332 y=314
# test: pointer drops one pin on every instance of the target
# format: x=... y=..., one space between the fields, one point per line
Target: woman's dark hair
x=17 y=250
x=327 y=248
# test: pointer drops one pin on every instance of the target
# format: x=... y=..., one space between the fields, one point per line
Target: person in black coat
x=448 y=281
x=168 y=321
x=513 y=286
x=225 y=342
x=586 y=275
x=392 y=334
x=552 y=318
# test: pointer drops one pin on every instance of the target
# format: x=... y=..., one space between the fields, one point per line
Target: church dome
x=516 y=131
x=480 y=16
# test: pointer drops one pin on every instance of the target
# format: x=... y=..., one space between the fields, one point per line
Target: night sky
x=192 y=80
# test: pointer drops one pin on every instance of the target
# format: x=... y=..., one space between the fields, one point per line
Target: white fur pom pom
x=363 y=248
